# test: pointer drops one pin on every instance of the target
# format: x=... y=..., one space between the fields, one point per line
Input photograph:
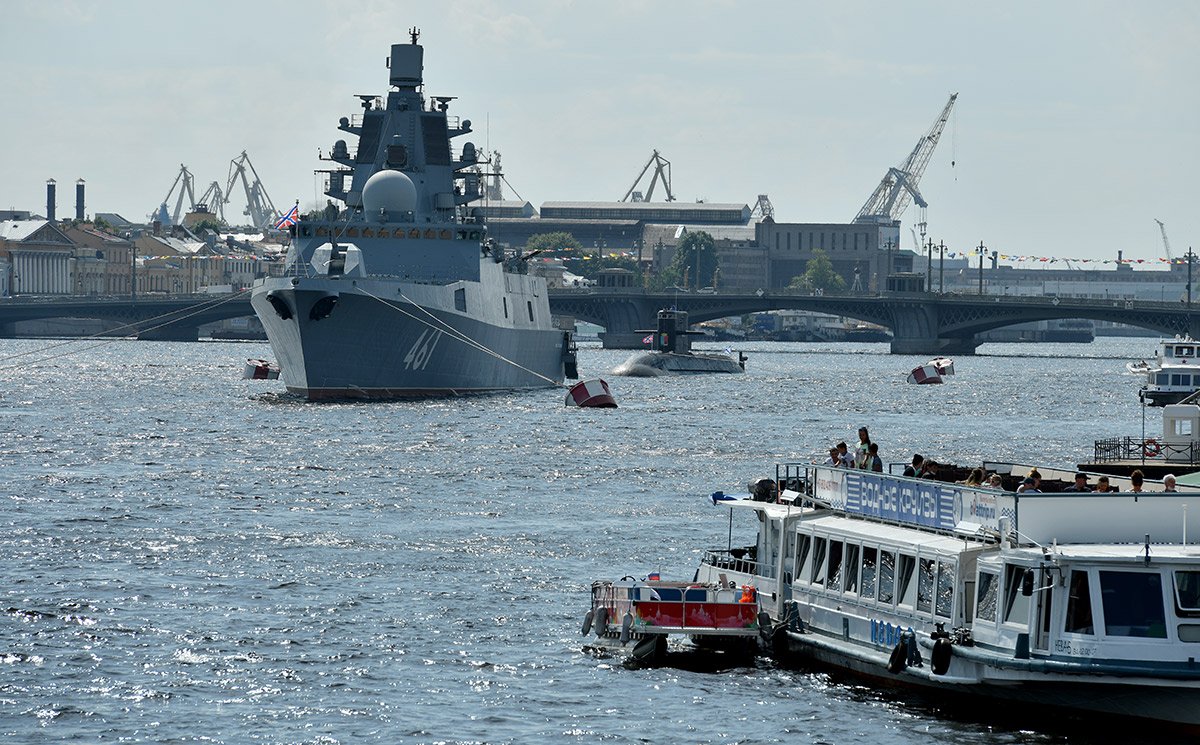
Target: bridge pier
x=934 y=347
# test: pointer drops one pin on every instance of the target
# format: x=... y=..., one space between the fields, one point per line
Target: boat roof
x=885 y=534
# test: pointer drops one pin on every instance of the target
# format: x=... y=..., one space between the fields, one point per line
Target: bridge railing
x=1149 y=450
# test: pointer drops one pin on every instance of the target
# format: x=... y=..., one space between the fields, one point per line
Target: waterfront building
x=103 y=261
x=40 y=256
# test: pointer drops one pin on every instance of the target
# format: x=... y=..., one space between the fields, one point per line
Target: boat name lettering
x=1066 y=646
x=886 y=634
x=422 y=350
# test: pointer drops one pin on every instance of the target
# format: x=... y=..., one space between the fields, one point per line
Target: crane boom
x=1166 y=243
x=259 y=208
x=662 y=171
x=187 y=190
x=899 y=184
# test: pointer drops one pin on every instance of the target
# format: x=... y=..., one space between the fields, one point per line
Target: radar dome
x=390 y=191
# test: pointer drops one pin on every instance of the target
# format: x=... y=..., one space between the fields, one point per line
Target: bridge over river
x=922 y=323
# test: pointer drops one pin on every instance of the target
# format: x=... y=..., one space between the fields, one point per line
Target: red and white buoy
x=924 y=375
x=592 y=393
x=260 y=370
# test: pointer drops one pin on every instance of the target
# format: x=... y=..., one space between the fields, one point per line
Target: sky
x=1074 y=130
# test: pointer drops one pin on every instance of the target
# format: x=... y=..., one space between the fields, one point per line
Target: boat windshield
x=1133 y=604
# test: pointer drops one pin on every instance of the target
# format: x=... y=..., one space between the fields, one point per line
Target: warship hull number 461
x=400 y=292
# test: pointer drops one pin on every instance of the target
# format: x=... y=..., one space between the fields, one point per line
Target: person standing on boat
x=1080 y=485
x=1169 y=482
x=862 y=450
x=834 y=459
x=874 y=462
x=847 y=460
x=914 y=470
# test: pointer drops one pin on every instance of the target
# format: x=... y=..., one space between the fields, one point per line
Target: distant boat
x=260 y=370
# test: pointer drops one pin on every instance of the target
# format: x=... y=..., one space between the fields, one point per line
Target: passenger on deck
x=844 y=455
x=862 y=451
x=930 y=470
x=1169 y=482
x=834 y=458
x=1080 y=485
x=994 y=482
x=914 y=469
x=1103 y=487
x=874 y=462
x=1030 y=485
x=974 y=479
x=1136 y=479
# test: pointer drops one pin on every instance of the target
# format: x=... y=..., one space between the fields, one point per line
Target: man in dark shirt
x=1080 y=485
x=915 y=468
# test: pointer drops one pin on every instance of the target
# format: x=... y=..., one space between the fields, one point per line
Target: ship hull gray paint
x=371 y=349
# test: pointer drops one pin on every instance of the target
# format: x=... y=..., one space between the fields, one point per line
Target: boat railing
x=1145 y=450
x=735 y=560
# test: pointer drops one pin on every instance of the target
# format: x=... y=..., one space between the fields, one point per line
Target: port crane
x=899 y=184
x=662 y=172
x=184 y=177
x=762 y=209
x=259 y=208
x=213 y=200
x=1166 y=243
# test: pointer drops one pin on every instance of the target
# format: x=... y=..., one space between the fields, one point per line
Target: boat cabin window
x=1178 y=379
x=925 y=585
x=1187 y=594
x=944 y=602
x=802 y=558
x=867 y=583
x=1079 y=605
x=834 y=573
x=1016 y=605
x=887 y=576
x=1133 y=604
x=985 y=605
x=1184 y=351
x=1162 y=379
x=529 y=305
x=851 y=568
x=817 y=575
x=907 y=588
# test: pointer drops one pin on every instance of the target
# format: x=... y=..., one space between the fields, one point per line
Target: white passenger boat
x=1173 y=375
x=1073 y=600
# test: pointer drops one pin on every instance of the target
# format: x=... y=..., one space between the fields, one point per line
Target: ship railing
x=735 y=560
x=1148 y=449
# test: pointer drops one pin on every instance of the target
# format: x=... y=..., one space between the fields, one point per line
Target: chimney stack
x=50 y=199
x=79 y=200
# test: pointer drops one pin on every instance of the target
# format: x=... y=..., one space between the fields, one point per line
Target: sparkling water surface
x=193 y=557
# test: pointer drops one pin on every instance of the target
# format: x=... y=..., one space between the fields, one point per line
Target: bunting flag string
x=1026 y=259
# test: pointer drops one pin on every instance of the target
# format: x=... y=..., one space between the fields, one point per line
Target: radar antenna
x=415 y=33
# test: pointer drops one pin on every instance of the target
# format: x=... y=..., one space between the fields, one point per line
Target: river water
x=193 y=557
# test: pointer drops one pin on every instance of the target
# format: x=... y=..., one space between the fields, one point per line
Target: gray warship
x=400 y=293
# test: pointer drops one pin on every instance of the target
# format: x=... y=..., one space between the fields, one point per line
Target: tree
x=696 y=257
x=819 y=275
x=559 y=244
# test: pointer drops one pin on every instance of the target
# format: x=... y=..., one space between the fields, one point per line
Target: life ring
x=1151 y=449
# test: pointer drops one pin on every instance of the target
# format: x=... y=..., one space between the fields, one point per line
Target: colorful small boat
x=636 y=616
x=260 y=370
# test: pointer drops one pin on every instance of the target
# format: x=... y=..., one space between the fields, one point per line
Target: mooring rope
x=456 y=334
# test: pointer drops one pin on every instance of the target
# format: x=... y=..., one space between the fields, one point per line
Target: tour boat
x=1083 y=602
x=1173 y=375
